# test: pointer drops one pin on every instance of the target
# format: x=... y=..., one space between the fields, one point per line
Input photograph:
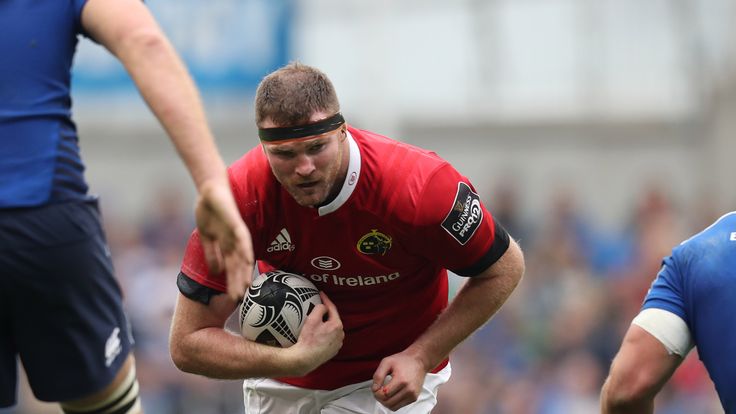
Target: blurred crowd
x=546 y=352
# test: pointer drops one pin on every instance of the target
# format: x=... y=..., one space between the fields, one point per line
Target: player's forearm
x=473 y=306
x=616 y=403
x=642 y=407
x=168 y=89
x=217 y=353
x=478 y=300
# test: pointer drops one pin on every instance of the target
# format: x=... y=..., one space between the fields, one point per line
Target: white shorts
x=264 y=395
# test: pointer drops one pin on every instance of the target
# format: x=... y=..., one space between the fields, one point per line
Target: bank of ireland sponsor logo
x=357 y=281
x=325 y=263
x=282 y=243
x=465 y=216
x=374 y=242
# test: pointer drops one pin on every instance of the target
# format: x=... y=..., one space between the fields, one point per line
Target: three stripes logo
x=282 y=243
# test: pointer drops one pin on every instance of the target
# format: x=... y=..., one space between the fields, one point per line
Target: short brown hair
x=290 y=95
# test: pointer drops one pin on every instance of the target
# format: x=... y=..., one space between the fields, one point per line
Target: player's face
x=313 y=169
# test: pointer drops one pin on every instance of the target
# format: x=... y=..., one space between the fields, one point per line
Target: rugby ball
x=275 y=307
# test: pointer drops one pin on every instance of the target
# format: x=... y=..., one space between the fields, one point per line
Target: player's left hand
x=225 y=238
x=398 y=380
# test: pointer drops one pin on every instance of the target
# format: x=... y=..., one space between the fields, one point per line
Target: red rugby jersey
x=379 y=250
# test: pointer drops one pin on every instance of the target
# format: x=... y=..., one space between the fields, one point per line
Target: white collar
x=351 y=180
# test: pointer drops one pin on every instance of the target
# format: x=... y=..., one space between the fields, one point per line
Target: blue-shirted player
x=60 y=306
x=692 y=302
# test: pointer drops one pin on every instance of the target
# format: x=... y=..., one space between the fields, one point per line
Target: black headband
x=301 y=131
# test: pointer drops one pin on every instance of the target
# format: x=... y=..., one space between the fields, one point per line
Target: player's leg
x=361 y=400
x=120 y=397
x=68 y=323
x=267 y=396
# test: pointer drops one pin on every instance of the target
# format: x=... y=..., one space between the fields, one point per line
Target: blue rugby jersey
x=39 y=154
x=698 y=284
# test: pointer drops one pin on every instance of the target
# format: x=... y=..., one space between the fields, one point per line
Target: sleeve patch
x=465 y=215
x=498 y=248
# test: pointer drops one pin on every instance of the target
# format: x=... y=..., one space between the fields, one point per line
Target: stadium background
x=598 y=131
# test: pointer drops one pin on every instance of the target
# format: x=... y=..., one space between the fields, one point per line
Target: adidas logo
x=281 y=243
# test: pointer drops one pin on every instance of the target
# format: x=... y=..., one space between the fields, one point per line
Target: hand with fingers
x=398 y=380
x=321 y=336
x=225 y=238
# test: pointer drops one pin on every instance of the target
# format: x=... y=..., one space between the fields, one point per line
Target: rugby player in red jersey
x=375 y=224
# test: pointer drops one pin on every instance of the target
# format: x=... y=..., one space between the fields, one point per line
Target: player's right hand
x=321 y=336
x=224 y=236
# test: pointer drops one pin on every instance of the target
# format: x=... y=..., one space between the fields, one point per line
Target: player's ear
x=343 y=132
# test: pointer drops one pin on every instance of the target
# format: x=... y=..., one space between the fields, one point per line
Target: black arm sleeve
x=194 y=290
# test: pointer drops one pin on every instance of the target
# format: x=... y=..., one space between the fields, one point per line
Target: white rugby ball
x=275 y=307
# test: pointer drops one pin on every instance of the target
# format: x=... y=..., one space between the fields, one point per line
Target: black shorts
x=60 y=305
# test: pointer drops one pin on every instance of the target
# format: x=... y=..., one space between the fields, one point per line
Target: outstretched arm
x=129 y=31
x=640 y=369
x=479 y=299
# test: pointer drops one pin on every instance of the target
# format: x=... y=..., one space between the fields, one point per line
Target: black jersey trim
x=498 y=248
x=195 y=290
